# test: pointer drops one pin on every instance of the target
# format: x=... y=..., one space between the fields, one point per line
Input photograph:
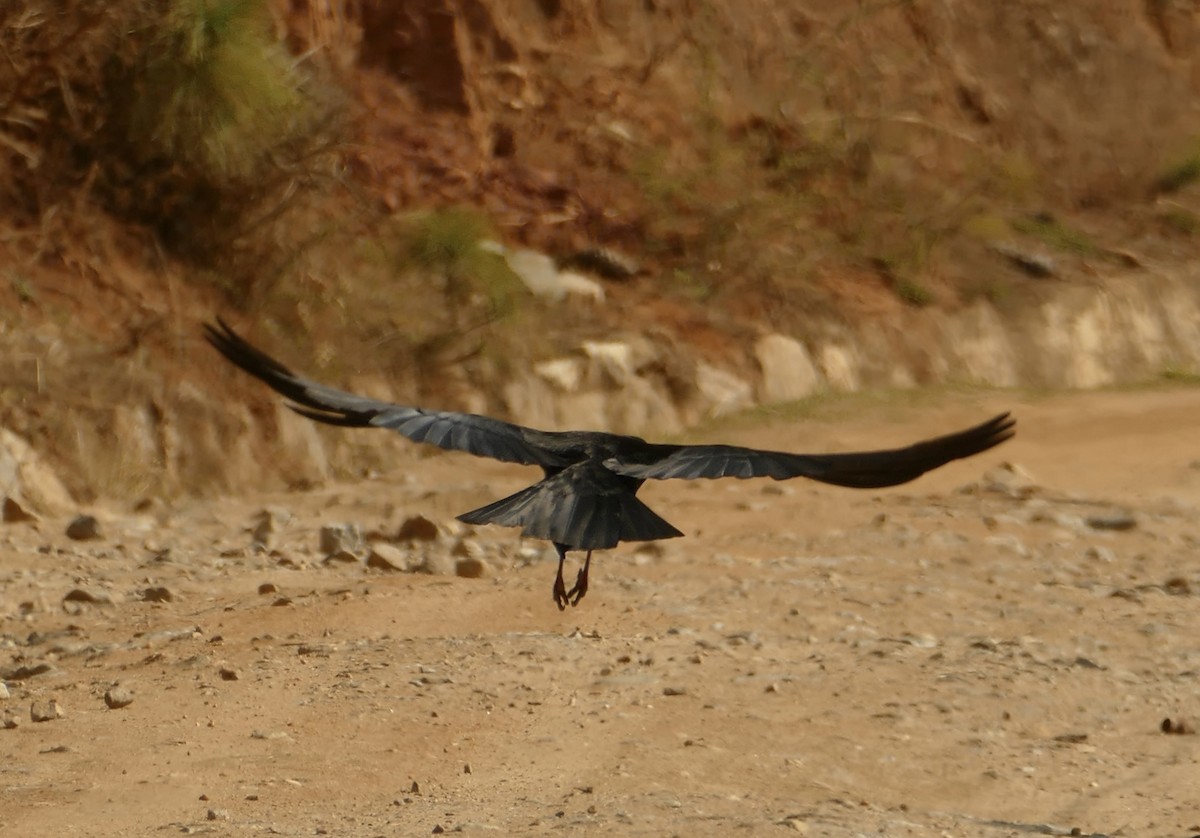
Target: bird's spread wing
x=860 y=470
x=468 y=432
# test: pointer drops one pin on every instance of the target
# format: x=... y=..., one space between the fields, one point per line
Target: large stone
x=841 y=367
x=541 y=276
x=26 y=477
x=417 y=528
x=337 y=539
x=788 y=372
x=723 y=392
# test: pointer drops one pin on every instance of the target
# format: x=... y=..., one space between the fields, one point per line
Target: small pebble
x=1178 y=586
x=340 y=538
x=79 y=595
x=387 y=557
x=45 y=711
x=118 y=697
x=341 y=557
x=1117 y=522
x=83 y=528
x=1177 y=727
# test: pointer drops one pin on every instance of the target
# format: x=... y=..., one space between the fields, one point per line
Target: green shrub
x=217 y=93
x=446 y=243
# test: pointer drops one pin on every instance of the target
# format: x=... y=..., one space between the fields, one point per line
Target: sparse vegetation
x=1181 y=174
x=762 y=158
x=187 y=117
x=215 y=92
x=445 y=245
x=913 y=292
x=1180 y=219
x=1054 y=233
x=1181 y=375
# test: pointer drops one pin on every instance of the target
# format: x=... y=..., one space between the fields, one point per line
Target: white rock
x=788 y=370
x=25 y=476
x=725 y=392
x=841 y=367
x=564 y=373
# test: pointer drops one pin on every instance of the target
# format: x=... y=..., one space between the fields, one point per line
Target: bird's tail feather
x=581 y=522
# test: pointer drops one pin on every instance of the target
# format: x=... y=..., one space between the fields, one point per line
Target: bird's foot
x=561 y=597
x=581 y=584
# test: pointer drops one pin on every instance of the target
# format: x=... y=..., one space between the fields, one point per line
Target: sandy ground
x=923 y=661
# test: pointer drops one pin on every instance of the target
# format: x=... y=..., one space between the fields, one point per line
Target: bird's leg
x=561 y=598
x=576 y=593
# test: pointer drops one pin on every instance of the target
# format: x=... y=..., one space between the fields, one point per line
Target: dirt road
x=924 y=661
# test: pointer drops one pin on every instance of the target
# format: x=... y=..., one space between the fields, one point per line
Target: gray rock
x=1037 y=265
x=842 y=366
x=118 y=697
x=45 y=711
x=268 y=523
x=14 y=513
x=542 y=277
x=603 y=261
x=342 y=557
x=339 y=538
x=387 y=557
x=83 y=528
x=417 y=528
x=1118 y=521
x=23 y=474
x=723 y=392
x=788 y=371
x=1008 y=479
x=472 y=567
x=27 y=670
x=81 y=596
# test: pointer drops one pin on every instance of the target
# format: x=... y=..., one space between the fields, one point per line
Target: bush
x=186 y=116
x=215 y=92
x=445 y=244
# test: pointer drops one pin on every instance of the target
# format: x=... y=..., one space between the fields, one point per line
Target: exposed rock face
x=1074 y=336
x=24 y=476
x=788 y=372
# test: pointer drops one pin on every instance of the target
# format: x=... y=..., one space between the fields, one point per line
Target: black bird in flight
x=587 y=499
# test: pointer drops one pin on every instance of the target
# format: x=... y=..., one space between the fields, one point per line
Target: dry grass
x=187 y=118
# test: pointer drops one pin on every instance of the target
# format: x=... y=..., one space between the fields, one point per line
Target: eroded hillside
x=772 y=169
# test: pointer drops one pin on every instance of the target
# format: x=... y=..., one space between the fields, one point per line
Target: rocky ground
x=989 y=651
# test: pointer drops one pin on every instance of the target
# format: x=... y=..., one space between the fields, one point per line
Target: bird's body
x=587 y=499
